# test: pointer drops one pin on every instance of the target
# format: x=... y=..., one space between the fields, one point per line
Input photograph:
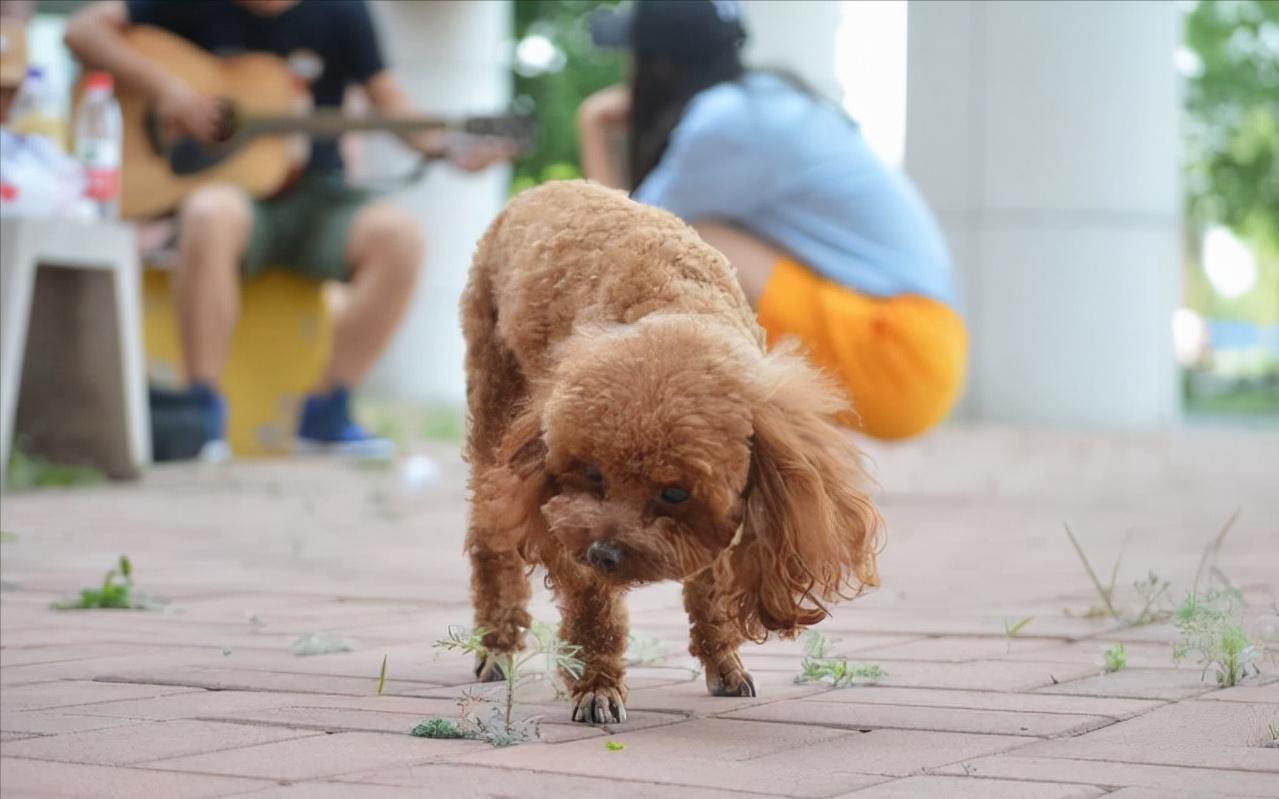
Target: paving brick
x=334 y=790
x=1193 y=781
x=991 y=700
x=556 y=722
x=318 y=756
x=848 y=715
x=680 y=754
x=1247 y=693
x=1141 y=655
x=892 y=753
x=1220 y=735
x=11 y=656
x=232 y=679
x=90 y=668
x=972 y=788
x=978 y=675
x=1165 y=793
x=80 y=692
x=144 y=741
x=958 y=649
x=1135 y=684
x=691 y=698
x=52 y=722
x=38 y=778
x=188 y=705
x=473 y=781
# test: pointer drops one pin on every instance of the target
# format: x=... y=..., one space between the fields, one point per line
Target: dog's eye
x=673 y=495
x=593 y=474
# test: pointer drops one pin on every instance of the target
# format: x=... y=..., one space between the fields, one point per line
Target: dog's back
x=571 y=253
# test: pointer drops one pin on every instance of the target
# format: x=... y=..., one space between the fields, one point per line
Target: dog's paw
x=489 y=669
x=730 y=678
x=600 y=706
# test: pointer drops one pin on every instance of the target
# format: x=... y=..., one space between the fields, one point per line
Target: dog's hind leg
x=500 y=512
x=714 y=638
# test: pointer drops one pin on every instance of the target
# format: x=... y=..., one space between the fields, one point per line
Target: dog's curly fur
x=627 y=425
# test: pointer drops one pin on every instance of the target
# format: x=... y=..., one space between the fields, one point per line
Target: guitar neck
x=332 y=124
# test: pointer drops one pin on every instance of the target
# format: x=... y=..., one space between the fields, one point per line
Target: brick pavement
x=204 y=698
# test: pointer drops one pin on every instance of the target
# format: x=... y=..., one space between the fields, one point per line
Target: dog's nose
x=604 y=555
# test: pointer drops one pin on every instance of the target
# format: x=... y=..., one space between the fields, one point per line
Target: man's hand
x=465 y=151
x=475 y=153
x=188 y=111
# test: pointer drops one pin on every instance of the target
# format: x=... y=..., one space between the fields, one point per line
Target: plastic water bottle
x=99 y=136
x=36 y=110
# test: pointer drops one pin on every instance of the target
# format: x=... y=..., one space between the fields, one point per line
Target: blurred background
x=1107 y=176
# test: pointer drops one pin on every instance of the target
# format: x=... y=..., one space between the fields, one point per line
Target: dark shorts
x=306 y=229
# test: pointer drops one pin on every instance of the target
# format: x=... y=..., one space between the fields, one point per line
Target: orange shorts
x=902 y=359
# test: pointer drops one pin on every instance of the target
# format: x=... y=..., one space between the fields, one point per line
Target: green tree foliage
x=1232 y=101
x=558 y=91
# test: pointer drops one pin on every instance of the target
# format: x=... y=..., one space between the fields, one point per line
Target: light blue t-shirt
x=761 y=155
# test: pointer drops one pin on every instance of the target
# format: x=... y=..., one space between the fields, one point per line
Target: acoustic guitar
x=267 y=125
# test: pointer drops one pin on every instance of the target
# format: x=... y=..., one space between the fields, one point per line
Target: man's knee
x=389 y=234
x=221 y=211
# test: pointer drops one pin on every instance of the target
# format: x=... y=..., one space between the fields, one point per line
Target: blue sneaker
x=213 y=408
x=326 y=426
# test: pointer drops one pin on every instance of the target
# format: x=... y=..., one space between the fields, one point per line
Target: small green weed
x=309 y=644
x=437 y=728
x=116 y=591
x=483 y=718
x=614 y=746
x=1153 y=591
x=1011 y=630
x=31 y=471
x=819 y=665
x=1116 y=658
x=1212 y=633
x=643 y=649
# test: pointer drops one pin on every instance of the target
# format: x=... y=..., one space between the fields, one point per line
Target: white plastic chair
x=97 y=396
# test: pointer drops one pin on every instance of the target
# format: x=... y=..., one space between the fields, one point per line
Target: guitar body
x=257 y=83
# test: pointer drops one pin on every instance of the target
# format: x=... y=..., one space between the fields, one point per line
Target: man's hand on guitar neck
x=465 y=151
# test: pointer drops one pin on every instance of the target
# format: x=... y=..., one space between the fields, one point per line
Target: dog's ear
x=511 y=491
x=810 y=533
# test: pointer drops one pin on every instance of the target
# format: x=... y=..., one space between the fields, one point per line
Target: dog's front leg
x=593 y=616
x=714 y=638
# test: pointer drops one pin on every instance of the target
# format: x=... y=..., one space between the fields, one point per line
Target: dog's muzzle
x=604 y=556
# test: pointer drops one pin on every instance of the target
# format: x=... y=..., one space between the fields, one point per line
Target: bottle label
x=101 y=170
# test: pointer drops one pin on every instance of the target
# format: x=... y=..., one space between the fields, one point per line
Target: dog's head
x=669 y=447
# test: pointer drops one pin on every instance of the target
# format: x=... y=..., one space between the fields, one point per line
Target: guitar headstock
x=520 y=128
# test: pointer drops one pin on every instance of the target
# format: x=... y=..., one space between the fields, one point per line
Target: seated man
x=320 y=226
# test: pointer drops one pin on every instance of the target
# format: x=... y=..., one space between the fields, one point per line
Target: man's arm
x=471 y=153
x=96 y=36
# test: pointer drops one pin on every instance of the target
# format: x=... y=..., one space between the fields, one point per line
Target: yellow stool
x=280 y=347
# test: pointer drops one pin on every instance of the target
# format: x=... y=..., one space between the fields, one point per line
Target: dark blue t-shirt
x=329 y=43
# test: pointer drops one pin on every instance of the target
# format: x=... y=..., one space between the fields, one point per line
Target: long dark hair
x=661 y=91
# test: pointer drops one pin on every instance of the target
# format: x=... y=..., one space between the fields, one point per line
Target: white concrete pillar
x=799 y=35
x=453 y=58
x=1045 y=135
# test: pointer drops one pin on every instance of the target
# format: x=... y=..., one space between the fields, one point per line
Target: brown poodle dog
x=627 y=426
